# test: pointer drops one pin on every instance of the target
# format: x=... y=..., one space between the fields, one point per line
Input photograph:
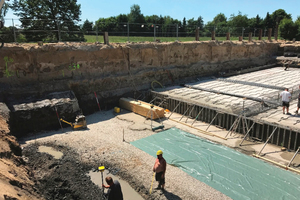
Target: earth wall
x=112 y=71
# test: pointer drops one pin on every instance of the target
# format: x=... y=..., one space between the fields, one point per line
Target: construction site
x=73 y=113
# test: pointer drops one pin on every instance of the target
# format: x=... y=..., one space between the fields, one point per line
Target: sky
x=178 y=9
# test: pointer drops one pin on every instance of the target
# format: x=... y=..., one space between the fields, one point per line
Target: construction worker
x=114 y=189
x=159 y=168
x=286 y=96
x=298 y=104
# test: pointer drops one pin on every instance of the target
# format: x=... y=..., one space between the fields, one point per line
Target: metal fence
x=64 y=31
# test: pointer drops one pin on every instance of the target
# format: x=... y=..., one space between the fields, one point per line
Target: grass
x=124 y=39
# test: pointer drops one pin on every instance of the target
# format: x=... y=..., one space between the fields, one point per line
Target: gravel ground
x=102 y=144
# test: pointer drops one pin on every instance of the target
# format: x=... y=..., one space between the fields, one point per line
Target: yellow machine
x=80 y=122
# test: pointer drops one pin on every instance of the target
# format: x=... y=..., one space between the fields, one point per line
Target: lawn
x=124 y=39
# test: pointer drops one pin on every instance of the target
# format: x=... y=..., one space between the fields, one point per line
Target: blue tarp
x=233 y=173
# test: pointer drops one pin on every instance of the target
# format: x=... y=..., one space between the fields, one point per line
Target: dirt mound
x=64 y=178
x=15 y=177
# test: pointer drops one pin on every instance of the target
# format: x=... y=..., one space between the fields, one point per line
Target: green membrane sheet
x=233 y=173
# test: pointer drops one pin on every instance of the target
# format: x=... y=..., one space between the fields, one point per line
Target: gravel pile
x=102 y=144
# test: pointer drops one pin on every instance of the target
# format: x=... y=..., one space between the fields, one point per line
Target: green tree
x=238 y=23
x=153 y=19
x=287 y=29
x=255 y=22
x=122 y=18
x=136 y=18
x=219 y=25
x=200 y=23
x=183 y=28
x=297 y=26
x=48 y=20
x=192 y=24
x=220 y=19
x=279 y=15
x=267 y=23
x=135 y=15
x=4 y=9
x=106 y=24
x=122 y=21
x=87 y=27
x=238 y=20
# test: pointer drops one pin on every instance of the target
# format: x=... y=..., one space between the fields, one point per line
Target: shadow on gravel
x=171 y=196
x=91 y=119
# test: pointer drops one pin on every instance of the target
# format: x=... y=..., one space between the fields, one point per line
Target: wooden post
x=105 y=38
x=227 y=36
x=213 y=35
x=197 y=34
x=250 y=37
x=260 y=34
x=240 y=38
x=269 y=34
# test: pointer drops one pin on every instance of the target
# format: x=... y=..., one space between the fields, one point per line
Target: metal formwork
x=260 y=129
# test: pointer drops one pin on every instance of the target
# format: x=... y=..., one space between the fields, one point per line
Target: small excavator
x=80 y=122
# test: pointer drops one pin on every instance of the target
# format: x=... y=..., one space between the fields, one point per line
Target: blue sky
x=178 y=9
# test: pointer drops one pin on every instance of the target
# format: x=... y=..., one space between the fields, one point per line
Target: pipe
x=293 y=156
x=212 y=121
x=268 y=140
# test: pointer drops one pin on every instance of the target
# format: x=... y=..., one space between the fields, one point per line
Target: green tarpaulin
x=233 y=173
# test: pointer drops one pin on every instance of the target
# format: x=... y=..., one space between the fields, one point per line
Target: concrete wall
x=114 y=70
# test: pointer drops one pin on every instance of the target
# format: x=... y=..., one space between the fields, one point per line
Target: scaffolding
x=254 y=129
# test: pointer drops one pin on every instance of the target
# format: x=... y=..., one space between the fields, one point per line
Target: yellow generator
x=79 y=123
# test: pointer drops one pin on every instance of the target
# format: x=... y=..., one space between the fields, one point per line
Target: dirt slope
x=16 y=180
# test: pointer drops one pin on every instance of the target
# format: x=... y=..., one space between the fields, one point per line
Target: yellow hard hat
x=159 y=152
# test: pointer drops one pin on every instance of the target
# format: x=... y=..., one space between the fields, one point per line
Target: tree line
x=57 y=20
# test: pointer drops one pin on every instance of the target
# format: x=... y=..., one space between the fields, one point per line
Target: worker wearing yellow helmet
x=159 y=168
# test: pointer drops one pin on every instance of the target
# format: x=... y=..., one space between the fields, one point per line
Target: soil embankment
x=16 y=178
x=110 y=71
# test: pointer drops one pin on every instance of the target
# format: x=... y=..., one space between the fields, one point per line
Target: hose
x=155 y=81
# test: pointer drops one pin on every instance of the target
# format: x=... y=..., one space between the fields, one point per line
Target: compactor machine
x=80 y=122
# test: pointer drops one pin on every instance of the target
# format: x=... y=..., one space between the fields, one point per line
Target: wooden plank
x=141 y=108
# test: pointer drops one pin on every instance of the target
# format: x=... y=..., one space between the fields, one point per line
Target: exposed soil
x=63 y=178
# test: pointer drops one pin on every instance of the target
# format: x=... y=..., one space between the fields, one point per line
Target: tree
x=267 y=21
x=255 y=22
x=106 y=24
x=279 y=15
x=219 y=19
x=219 y=25
x=4 y=9
x=136 y=18
x=49 y=20
x=238 y=23
x=297 y=25
x=121 y=23
x=183 y=28
x=192 y=24
x=87 y=27
x=287 y=29
x=135 y=15
x=200 y=23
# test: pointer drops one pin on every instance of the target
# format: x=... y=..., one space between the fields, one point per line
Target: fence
x=64 y=31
